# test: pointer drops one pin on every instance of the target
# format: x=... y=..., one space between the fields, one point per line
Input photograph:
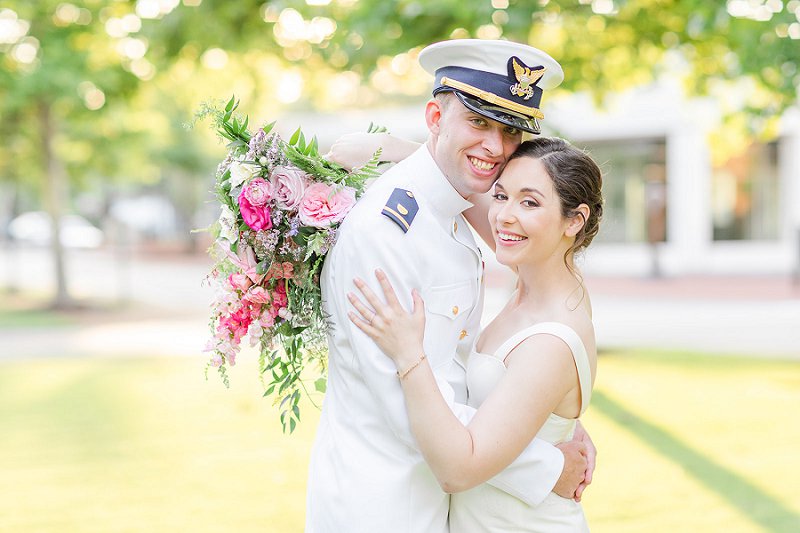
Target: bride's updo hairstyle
x=576 y=179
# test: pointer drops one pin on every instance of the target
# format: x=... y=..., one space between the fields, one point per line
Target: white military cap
x=501 y=80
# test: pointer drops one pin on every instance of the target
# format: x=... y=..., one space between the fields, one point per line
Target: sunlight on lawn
x=148 y=445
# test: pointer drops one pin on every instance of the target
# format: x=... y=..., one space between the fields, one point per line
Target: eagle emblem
x=526 y=78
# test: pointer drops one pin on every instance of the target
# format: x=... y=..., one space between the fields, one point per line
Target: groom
x=366 y=473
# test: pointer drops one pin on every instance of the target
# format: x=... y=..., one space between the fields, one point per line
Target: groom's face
x=470 y=149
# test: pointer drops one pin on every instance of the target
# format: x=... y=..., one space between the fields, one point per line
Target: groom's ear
x=433 y=116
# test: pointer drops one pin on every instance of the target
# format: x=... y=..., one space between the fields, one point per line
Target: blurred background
x=108 y=423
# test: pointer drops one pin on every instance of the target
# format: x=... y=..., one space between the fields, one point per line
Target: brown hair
x=576 y=179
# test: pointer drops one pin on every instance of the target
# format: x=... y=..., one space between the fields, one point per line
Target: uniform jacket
x=366 y=473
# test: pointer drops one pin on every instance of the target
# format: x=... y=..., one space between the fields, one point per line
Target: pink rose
x=257 y=217
x=324 y=205
x=288 y=186
x=258 y=192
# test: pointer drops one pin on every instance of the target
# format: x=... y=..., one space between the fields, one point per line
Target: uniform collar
x=434 y=187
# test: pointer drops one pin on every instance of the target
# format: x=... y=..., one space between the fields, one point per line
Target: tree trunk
x=55 y=197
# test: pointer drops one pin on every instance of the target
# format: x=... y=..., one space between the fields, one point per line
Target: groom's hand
x=574 y=472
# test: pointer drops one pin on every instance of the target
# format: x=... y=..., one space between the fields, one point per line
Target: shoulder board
x=401 y=208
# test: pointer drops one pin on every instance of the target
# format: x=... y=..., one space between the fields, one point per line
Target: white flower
x=241 y=172
x=227 y=223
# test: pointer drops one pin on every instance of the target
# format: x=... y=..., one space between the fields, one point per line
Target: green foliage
x=600 y=51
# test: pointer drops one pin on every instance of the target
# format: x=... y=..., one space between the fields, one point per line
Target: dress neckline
x=564 y=332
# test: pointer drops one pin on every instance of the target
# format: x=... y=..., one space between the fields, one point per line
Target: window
x=745 y=195
x=634 y=189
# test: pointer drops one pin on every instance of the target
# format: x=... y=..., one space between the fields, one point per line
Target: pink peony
x=288 y=186
x=256 y=217
x=324 y=205
x=258 y=192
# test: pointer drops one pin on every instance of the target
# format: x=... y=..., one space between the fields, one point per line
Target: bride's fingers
x=362 y=325
x=419 y=303
x=371 y=297
x=367 y=314
x=388 y=290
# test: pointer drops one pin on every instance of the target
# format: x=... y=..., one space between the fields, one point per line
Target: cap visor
x=498 y=114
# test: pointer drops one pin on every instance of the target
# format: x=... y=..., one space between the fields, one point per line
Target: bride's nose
x=506 y=213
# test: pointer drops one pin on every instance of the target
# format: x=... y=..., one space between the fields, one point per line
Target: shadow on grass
x=750 y=500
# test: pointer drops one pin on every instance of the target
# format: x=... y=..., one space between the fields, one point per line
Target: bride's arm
x=540 y=373
x=355 y=149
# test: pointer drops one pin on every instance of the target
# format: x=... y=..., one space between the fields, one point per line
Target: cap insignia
x=525 y=76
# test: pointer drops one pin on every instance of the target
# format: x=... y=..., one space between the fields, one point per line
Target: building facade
x=671 y=208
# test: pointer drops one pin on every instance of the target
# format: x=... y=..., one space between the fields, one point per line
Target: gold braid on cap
x=492 y=98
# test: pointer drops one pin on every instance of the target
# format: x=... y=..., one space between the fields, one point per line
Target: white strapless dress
x=488 y=509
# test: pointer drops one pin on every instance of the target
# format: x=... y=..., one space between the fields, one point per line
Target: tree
x=603 y=45
x=61 y=69
x=93 y=90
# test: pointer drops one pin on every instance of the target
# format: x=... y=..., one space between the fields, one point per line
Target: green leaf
x=374 y=128
x=263 y=266
x=295 y=136
x=321 y=385
x=231 y=105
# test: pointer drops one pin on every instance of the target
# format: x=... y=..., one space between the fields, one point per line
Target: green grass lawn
x=687 y=443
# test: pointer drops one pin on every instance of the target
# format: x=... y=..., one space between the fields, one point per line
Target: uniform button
x=462 y=334
x=455 y=310
x=455 y=226
x=410 y=194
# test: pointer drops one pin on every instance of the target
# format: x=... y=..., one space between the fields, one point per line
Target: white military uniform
x=366 y=473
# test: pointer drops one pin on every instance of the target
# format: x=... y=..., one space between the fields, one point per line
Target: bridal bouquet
x=281 y=206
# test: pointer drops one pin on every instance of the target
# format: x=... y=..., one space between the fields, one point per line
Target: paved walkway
x=166 y=313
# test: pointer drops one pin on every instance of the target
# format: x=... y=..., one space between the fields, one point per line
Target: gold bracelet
x=409 y=369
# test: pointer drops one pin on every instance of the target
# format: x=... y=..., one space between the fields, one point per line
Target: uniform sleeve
x=358 y=255
x=534 y=473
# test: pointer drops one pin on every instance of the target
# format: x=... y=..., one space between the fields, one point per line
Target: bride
x=531 y=370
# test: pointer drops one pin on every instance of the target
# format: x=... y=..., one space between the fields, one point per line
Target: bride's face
x=525 y=215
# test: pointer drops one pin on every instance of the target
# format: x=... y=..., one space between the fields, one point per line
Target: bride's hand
x=355 y=149
x=398 y=333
